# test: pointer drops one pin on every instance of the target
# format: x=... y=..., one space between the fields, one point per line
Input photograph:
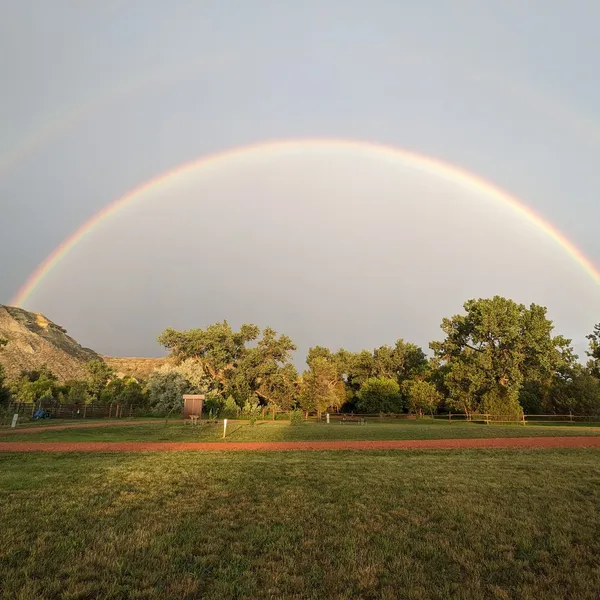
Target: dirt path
x=77 y=425
x=531 y=442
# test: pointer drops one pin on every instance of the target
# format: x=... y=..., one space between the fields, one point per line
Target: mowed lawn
x=242 y=431
x=462 y=524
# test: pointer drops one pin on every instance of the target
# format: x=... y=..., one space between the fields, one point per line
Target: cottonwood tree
x=166 y=388
x=264 y=370
x=99 y=374
x=492 y=349
x=218 y=348
x=379 y=395
x=321 y=387
x=421 y=396
x=594 y=352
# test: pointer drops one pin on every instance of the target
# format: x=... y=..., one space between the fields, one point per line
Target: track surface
x=532 y=442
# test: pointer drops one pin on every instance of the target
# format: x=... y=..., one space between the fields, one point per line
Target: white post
x=327 y=418
x=224 y=427
x=14 y=421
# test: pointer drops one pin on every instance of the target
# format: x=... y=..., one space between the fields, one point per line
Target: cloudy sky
x=329 y=243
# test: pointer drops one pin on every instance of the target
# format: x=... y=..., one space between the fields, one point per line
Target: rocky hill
x=140 y=368
x=33 y=340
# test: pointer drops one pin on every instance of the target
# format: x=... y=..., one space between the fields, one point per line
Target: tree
x=264 y=370
x=4 y=390
x=166 y=388
x=400 y=362
x=99 y=374
x=379 y=395
x=32 y=386
x=77 y=392
x=267 y=372
x=594 y=351
x=493 y=349
x=321 y=387
x=218 y=348
x=422 y=396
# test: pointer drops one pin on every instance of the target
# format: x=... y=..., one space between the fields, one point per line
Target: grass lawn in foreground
x=242 y=431
x=464 y=524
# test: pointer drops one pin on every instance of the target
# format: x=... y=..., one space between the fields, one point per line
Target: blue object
x=41 y=414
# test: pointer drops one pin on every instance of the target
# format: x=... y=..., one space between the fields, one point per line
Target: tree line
x=499 y=357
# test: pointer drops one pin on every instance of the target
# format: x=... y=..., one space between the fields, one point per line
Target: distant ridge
x=140 y=368
x=34 y=340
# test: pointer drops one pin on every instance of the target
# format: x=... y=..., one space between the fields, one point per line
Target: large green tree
x=262 y=370
x=321 y=387
x=99 y=374
x=399 y=362
x=4 y=390
x=379 y=395
x=493 y=349
x=422 y=396
x=594 y=352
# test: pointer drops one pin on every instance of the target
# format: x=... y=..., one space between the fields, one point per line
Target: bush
x=296 y=417
x=230 y=409
x=251 y=411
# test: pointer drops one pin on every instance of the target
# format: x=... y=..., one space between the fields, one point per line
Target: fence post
x=450 y=417
x=571 y=417
x=524 y=422
x=487 y=419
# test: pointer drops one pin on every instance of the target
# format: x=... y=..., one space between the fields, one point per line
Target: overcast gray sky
x=333 y=248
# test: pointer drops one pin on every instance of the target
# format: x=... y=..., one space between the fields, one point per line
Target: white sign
x=14 y=421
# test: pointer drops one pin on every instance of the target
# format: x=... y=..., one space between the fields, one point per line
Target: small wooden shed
x=192 y=405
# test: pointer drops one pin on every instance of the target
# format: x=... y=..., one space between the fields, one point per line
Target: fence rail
x=118 y=411
x=73 y=411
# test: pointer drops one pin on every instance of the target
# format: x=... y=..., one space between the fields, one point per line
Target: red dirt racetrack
x=454 y=444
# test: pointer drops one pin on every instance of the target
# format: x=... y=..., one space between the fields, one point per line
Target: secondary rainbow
x=262 y=150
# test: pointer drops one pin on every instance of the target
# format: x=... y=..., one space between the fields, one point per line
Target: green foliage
x=321 y=387
x=166 y=388
x=230 y=409
x=422 y=396
x=251 y=411
x=235 y=369
x=594 y=352
x=296 y=417
x=99 y=374
x=493 y=349
x=5 y=395
x=77 y=392
x=126 y=391
x=32 y=386
x=3 y=342
x=379 y=395
x=400 y=362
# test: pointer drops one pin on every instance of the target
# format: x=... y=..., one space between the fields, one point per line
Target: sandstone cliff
x=34 y=340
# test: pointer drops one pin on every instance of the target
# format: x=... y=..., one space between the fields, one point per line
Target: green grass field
x=242 y=431
x=418 y=525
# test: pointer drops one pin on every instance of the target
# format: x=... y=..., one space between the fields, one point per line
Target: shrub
x=251 y=411
x=296 y=417
x=230 y=409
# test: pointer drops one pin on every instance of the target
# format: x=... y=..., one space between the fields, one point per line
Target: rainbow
x=264 y=150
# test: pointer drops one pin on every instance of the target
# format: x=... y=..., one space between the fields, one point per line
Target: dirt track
x=531 y=442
